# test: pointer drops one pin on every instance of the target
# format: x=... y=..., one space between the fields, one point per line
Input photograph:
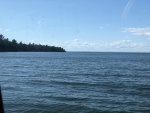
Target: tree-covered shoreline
x=13 y=46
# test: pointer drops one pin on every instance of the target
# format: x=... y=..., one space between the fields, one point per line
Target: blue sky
x=79 y=25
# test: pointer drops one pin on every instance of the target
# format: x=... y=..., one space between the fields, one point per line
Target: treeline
x=13 y=46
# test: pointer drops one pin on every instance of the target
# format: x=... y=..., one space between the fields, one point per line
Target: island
x=13 y=46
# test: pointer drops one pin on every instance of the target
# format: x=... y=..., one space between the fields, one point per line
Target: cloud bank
x=121 y=45
x=125 y=45
x=78 y=44
x=138 y=31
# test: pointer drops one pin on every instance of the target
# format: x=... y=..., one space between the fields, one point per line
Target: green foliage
x=14 y=46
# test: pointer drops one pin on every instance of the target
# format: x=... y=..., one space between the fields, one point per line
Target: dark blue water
x=75 y=82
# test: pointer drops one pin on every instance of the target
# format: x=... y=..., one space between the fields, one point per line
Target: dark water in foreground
x=75 y=82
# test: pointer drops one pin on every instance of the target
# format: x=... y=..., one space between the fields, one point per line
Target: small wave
x=143 y=70
x=144 y=88
x=69 y=83
x=65 y=108
x=75 y=83
x=67 y=98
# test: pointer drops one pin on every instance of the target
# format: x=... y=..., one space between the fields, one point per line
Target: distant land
x=14 y=46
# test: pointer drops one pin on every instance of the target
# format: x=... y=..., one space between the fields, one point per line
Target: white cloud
x=78 y=44
x=39 y=22
x=116 y=46
x=148 y=38
x=138 y=31
x=101 y=28
x=35 y=41
x=122 y=45
x=4 y=30
x=127 y=9
x=125 y=44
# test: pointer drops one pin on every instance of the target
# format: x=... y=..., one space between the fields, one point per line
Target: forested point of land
x=13 y=46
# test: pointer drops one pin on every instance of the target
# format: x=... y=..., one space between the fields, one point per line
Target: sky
x=79 y=25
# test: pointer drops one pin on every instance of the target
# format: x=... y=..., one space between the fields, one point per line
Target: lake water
x=75 y=82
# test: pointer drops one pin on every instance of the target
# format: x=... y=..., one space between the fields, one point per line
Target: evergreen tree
x=14 y=46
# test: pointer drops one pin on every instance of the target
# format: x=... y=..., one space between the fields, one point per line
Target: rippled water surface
x=75 y=82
